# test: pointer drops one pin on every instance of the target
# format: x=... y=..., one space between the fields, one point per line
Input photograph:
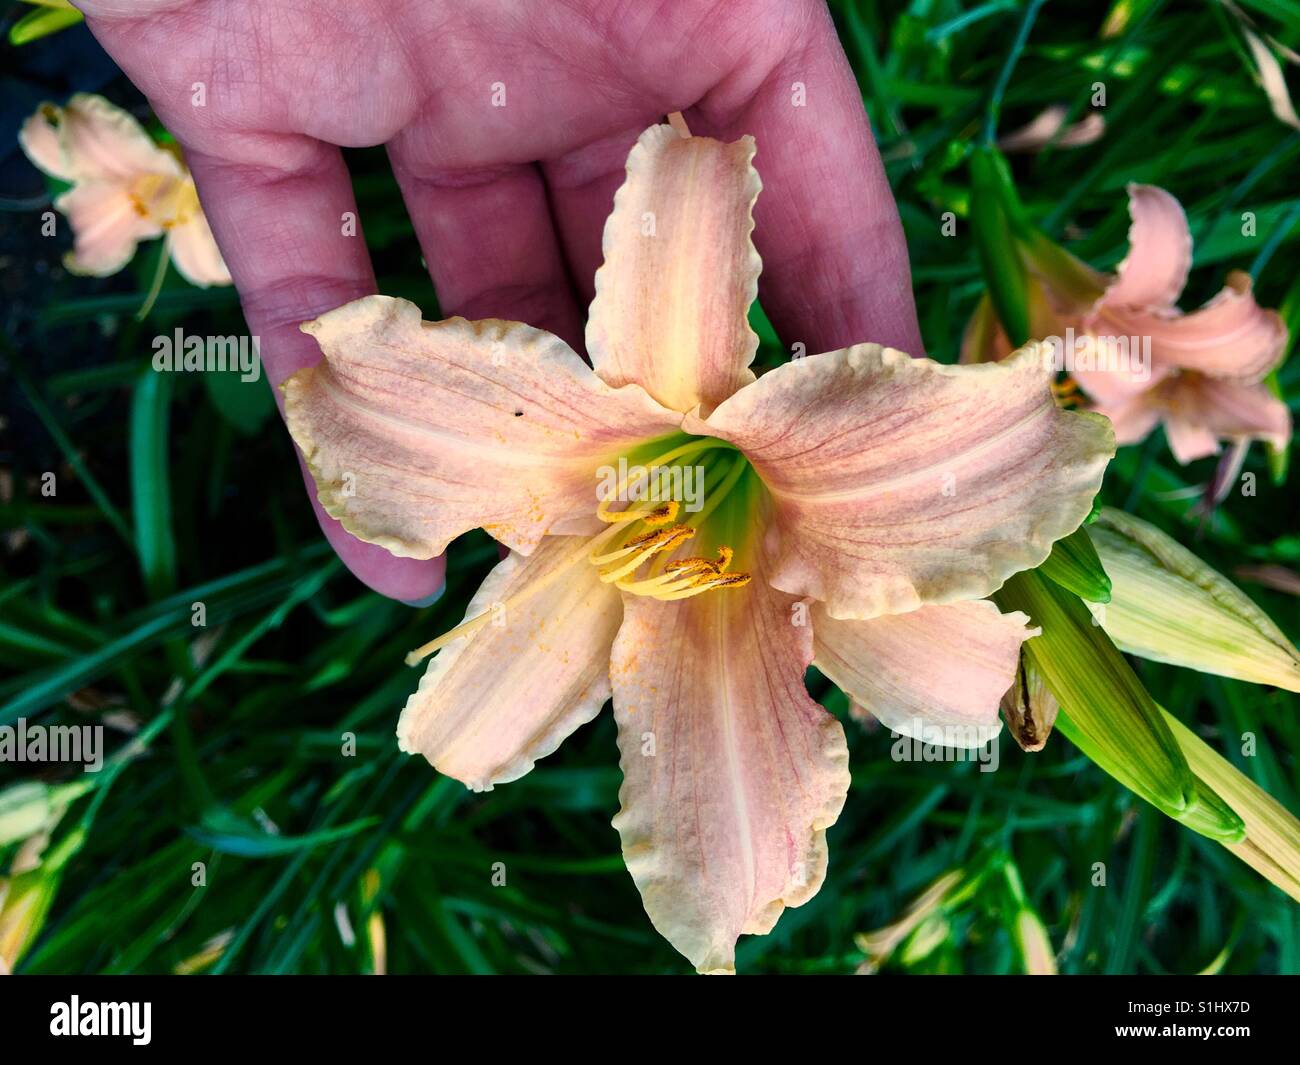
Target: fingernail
x=428 y=600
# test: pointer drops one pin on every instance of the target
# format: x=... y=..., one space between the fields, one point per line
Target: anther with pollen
x=659 y=516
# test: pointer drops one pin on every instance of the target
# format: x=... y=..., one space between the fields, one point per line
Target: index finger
x=290 y=236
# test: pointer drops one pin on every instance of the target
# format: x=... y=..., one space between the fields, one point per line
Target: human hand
x=508 y=127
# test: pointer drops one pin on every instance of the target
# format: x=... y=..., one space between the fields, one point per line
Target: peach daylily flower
x=856 y=507
x=1207 y=367
x=125 y=189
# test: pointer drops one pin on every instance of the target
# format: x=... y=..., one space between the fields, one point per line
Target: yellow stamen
x=654 y=586
x=725 y=555
x=646 y=545
x=659 y=516
x=730 y=580
x=685 y=577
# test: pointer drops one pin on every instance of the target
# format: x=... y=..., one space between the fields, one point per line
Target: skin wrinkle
x=491 y=248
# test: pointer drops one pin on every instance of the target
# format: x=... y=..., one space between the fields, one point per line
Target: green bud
x=1169 y=606
x=1109 y=714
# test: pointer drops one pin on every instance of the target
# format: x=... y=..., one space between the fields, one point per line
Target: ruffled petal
x=106 y=227
x=495 y=701
x=680 y=271
x=101 y=142
x=936 y=674
x=900 y=482
x=417 y=432
x=40 y=140
x=731 y=773
x=1212 y=408
x=1154 y=272
x=1231 y=336
x=196 y=255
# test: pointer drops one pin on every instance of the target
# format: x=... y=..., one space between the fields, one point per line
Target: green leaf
x=1004 y=270
x=1111 y=718
x=229 y=833
x=244 y=404
x=1271 y=840
x=1074 y=565
x=37 y=24
x=150 y=483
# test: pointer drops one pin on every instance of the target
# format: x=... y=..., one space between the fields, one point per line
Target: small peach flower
x=125 y=189
x=1205 y=378
x=856 y=507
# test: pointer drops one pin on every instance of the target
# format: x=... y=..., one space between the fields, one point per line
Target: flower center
x=690 y=482
x=164 y=200
x=717 y=492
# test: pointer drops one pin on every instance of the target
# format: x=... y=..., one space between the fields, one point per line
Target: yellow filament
x=685 y=583
x=646 y=546
x=471 y=625
x=730 y=580
x=725 y=555
x=658 y=516
x=656 y=463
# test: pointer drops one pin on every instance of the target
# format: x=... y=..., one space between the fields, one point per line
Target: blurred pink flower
x=125 y=189
x=1204 y=380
